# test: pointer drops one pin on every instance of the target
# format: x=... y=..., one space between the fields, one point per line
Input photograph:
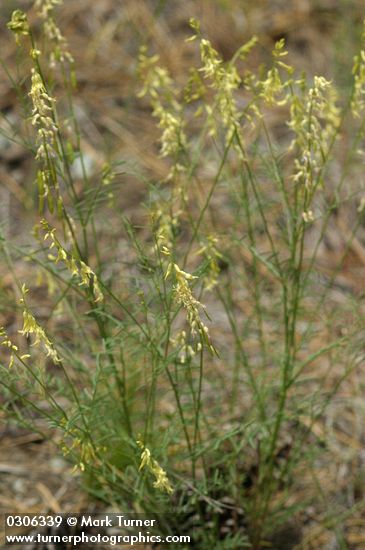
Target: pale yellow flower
x=161 y=480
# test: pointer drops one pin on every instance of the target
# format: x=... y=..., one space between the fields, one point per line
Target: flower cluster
x=161 y=480
x=184 y=297
x=212 y=255
x=42 y=117
x=45 y=182
x=211 y=61
x=5 y=341
x=225 y=81
x=157 y=84
x=164 y=227
x=88 y=278
x=173 y=138
x=358 y=70
x=308 y=216
x=314 y=119
x=186 y=350
x=155 y=79
x=18 y=24
x=181 y=288
x=45 y=10
x=273 y=89
x=79 y=445
x=45 y=7
x=30 y=326
x=75 y=266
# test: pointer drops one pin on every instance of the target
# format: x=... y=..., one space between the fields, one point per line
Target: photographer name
x=115 y=521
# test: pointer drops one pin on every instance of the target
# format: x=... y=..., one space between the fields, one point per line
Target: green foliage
x=173 y=380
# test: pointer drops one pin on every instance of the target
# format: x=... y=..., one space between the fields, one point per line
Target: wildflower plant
x=190 y=361
x=31 y=327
